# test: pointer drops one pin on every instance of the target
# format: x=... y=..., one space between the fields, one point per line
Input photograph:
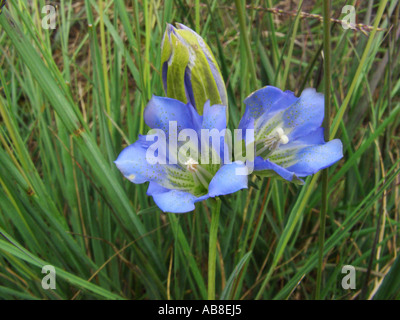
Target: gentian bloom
x=181 y=181
x=288 y=138
x=190 y=72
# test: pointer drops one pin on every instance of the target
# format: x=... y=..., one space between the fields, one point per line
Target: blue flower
x=288 y=138
x=179 y=180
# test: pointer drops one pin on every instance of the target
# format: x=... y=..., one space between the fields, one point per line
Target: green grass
x=72 y=98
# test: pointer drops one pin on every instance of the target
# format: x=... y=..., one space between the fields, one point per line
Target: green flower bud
x=190 y=72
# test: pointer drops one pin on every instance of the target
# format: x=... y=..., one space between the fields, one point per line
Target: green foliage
x=72 y=98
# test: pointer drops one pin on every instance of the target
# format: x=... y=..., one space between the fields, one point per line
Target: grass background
x=72 y=98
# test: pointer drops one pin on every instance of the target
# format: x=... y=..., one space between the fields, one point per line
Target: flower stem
x=327 y=84
x=246 y=39
x=197 y=15
x=212 y=249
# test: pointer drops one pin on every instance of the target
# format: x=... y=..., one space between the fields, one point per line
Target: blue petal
x=214 y=120
x=155 y=188
x=261 y=164
x=315 y=137
x=263 y=106
x=176 y=201
x=286 y=155
x=214 y=117
x=226 y=180
x=305 y=115
x=160 y=111
x=318 y=157
x=268 y=100
x=189 y=88
x=247 y=123
x=133 y=164
x=164 y=73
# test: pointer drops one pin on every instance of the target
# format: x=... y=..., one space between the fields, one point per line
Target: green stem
x=212 y=250
x=197 y=15
x=291 y=46
x=104 y=63
x=246 y=39
x=327 y=84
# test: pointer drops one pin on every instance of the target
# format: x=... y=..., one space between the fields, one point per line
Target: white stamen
x=279 y=131
x=283 y=138
x=273 y=141
x=191 y=165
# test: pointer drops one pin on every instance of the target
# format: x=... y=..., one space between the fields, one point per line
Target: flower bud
x=190 y=72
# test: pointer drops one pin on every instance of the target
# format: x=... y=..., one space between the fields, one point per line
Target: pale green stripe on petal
x=176 y=69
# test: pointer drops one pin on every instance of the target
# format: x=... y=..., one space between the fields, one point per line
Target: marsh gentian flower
x=181 y=181
x=190 y=72
x=288 y=138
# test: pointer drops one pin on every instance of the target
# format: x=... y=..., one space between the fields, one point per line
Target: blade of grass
x=326 y=125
